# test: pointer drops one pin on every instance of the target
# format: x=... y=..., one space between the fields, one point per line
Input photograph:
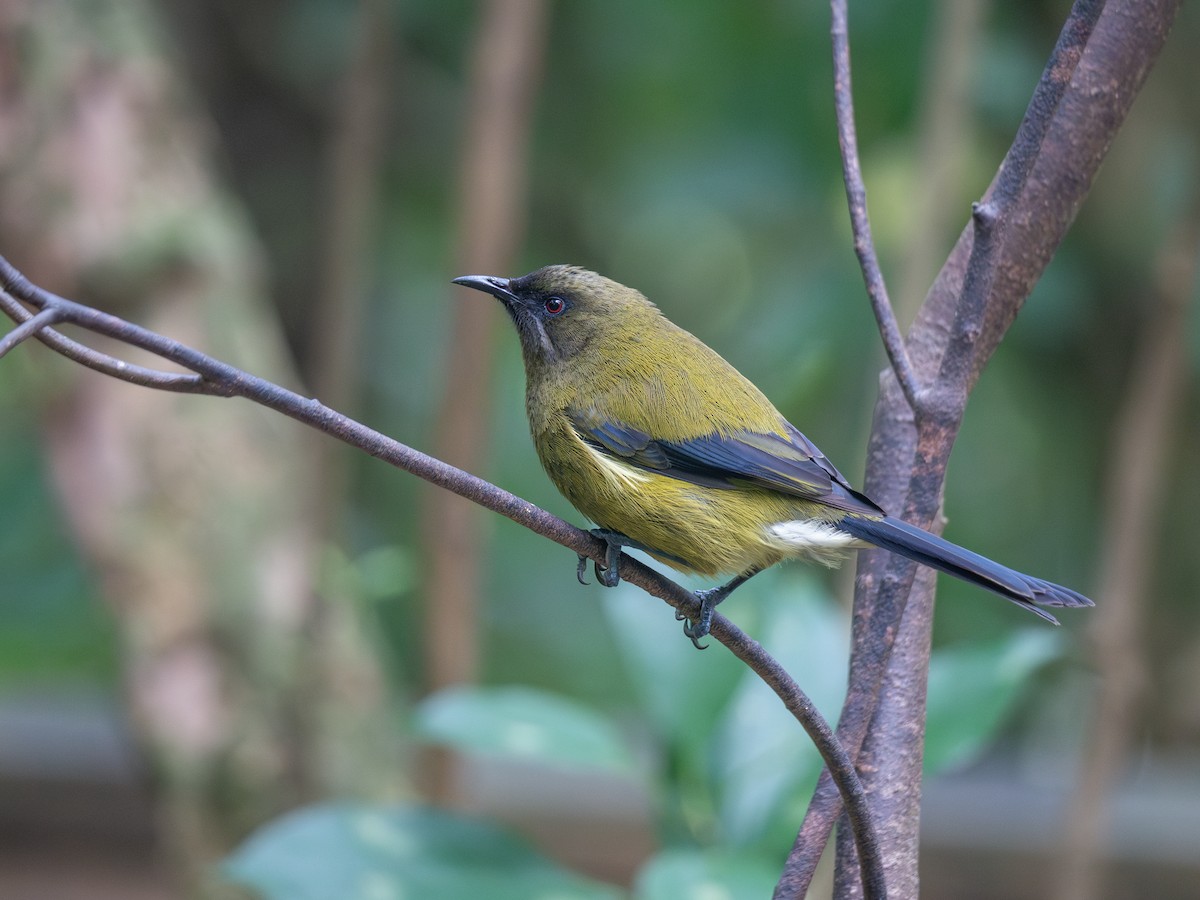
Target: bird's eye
x=554 y=305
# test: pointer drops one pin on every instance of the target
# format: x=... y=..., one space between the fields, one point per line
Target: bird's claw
x=694 y=634
x=608 y=575
x=698 y=628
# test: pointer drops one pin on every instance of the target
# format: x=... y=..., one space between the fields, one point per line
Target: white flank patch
x=813 y=538
x=621 y=472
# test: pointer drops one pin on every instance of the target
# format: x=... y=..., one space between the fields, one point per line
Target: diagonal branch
x=218 y=378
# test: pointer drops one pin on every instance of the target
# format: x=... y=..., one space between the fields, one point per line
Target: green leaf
x=766 y=764
x=682 y=691
x=522 y=723
x=398 y=853
x=973 y=688
x=699 y=875
x=377 y=574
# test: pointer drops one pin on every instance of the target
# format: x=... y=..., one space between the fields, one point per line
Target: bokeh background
x=210 y=618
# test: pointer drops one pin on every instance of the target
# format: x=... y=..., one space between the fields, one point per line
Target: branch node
x=984 y=214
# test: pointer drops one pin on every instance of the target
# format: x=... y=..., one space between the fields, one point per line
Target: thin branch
x=178 y=382
x=28 y=329
x=886 y=590
x=1079 y=108
x=221 y=379
x=856 y=197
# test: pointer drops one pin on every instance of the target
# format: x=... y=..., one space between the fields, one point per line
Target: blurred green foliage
x=521 y=723
x=362 y=853
x=688 y=149
x=52 y=624
x=722 y=757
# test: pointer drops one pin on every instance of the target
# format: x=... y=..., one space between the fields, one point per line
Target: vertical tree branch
x=505 y=68
x=906 y=464
x=1136 y=484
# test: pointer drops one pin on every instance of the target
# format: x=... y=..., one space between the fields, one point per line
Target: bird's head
x=560 y=311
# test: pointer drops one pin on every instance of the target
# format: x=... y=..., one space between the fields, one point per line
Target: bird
x=668 y=449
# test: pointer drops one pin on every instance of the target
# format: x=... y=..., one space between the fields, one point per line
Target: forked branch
x=1097 y=68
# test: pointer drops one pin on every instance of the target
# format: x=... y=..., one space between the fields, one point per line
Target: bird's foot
x=608 y=573
x=698 y=628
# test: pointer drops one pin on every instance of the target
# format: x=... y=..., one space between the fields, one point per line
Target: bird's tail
x=930 y=550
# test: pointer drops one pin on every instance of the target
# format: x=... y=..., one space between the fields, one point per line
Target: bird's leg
x=607 y=574
x=708 y=604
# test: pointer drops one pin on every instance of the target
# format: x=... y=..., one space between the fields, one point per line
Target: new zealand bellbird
x=669 y=449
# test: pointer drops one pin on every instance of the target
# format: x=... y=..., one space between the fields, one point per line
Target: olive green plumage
x=662 y=443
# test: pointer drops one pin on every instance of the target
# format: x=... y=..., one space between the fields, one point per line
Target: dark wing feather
x=791 y=465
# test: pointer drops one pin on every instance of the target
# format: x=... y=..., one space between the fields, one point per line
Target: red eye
x=554 y=305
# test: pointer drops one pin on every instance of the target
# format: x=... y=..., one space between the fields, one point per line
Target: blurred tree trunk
x=945 y=134
x=335 y=646
x=192 y=512
x=506 y=57
x=1136 y=485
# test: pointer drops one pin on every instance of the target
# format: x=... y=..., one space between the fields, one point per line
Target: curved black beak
x=489 y=284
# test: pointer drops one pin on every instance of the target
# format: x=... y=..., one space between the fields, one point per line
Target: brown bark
x=1088 y=89
x=1114 y=63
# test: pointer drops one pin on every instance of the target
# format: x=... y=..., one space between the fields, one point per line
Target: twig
x=178 y=382
x=218 y=378
x=856 y=197
x=946 y=400
x=28 y=328
x=861 y=817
